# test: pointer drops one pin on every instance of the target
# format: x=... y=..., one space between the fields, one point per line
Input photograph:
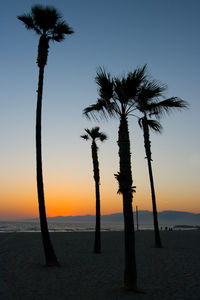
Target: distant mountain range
x=145 y=217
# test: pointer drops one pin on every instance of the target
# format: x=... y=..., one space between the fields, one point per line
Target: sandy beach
x=169 y=273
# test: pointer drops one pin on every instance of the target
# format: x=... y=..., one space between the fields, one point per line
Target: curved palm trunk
x=50 y=256
x=125 y=187
x=97 y=242
x=147 y=145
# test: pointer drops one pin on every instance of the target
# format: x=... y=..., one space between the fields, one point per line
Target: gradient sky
x=119 y=35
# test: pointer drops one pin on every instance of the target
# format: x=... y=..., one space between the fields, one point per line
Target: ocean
x=27 y=226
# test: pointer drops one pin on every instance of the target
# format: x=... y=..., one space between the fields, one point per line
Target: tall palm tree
x=94 y=134
x=115 y=100
x=48 y=24
x=149 y=105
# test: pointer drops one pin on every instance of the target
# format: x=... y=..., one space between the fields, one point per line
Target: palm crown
x=46 y=21
x=94 y=134
x=116 y=95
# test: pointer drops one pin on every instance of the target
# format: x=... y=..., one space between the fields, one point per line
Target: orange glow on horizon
x=21 y=202
x=79 y=206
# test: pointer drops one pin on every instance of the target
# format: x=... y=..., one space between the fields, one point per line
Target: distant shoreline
x=187 y=226
x=165 y=218
x=58 y=226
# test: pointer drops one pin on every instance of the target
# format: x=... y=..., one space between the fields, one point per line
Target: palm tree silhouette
x=115 y=97
x=149 y=105
x=48 y=24
x=93 y=135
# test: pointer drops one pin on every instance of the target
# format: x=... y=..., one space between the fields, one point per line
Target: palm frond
x=45 y=17
x=102 y=108
x=85 y=137
x=92 y=111
x=133 y=189
x=120 y=91
x=134 y=80
x=140 y=74
x=96 y=134
x=168 y=105
x=95 y=129
x=123 y=184
x=28 y=21
x=60 y=30
x=148 y=96
x=140 y=122
x=154 y=125
x=152 y=90
x=103 y=137
x=93 y=133
x=127 y=88
x=105 y=84
x=117 y=176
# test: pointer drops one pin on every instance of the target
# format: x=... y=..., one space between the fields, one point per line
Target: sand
x=169 y=273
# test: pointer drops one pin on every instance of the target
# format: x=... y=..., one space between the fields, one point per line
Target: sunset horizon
x=35 y=215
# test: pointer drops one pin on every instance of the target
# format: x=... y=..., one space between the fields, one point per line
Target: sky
x=119 y=35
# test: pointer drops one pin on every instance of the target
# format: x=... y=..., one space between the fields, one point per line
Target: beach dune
x=169 y=273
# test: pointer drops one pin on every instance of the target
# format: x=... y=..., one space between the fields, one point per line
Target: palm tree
x=149 y=105
x=115 y=100
x=48 y=24
x=94 y=134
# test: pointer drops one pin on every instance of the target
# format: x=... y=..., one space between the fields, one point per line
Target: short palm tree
x=115 y=100
x=94 y=134
x=48 y=24
x=149 y=105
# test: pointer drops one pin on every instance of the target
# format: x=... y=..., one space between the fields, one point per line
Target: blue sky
x=119 y=35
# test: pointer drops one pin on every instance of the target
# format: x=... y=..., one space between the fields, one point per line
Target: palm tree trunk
x=97 y=242
x=125 y=187
x=50 y=256
x=147 y=145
